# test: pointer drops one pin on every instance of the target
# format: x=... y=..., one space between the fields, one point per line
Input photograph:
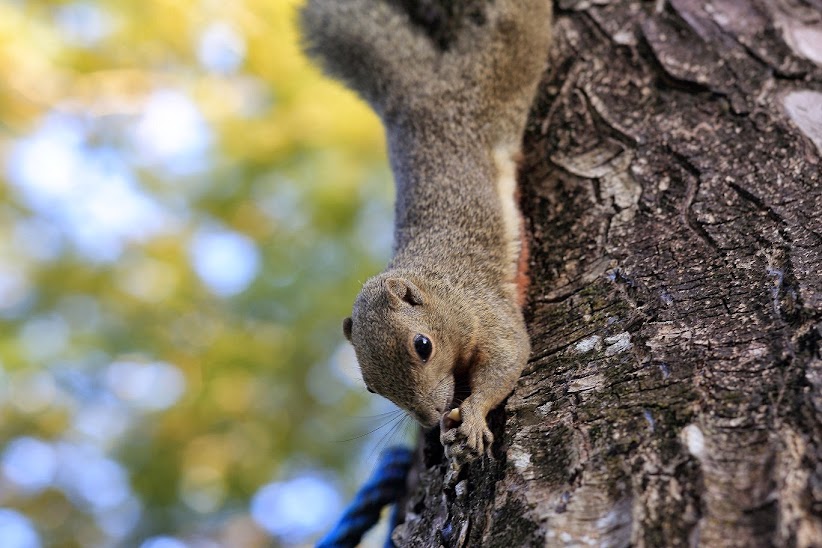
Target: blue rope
x=393 y=521
x=385 y=486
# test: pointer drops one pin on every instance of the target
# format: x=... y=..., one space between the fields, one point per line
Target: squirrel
x=441 y=332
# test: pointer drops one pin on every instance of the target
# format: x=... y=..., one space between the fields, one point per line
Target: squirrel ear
x=347 y=324
x=404 y=291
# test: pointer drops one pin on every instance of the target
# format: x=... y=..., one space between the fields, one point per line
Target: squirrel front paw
x=465 y=435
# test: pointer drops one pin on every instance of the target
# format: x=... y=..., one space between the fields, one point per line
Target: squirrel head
x=406 y=343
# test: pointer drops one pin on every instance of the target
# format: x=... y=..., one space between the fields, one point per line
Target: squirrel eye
x=423 y=347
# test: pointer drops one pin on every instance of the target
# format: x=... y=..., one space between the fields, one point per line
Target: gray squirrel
x=440 y=332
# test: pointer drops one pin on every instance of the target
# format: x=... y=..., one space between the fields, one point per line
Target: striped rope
x=385 y=486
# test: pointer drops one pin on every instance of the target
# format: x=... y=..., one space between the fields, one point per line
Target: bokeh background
x=187 y=210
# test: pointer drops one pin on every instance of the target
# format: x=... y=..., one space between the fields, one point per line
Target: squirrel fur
x=454 y=115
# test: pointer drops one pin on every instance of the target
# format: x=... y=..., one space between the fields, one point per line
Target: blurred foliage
x=188 y=210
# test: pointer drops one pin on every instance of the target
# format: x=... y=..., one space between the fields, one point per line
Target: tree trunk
x=671 y=183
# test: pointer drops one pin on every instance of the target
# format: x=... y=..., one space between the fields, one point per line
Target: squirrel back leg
x=500 y=58
x=372 y=46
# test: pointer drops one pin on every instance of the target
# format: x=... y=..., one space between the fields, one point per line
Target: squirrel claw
x=469 y=440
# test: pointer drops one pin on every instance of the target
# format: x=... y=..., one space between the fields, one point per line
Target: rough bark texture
x=673 y=193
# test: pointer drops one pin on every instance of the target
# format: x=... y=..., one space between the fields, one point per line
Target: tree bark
x=671 y=183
